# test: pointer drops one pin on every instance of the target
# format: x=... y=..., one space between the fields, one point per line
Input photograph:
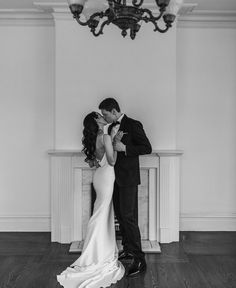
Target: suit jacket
x=127 y=171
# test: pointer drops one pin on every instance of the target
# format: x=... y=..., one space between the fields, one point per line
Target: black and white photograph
x=118 y=144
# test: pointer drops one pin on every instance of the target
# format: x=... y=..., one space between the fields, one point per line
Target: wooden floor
x=199 y=260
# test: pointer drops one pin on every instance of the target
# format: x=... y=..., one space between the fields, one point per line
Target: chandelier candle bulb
x=162 y=3
x=93 y=6
x=174 y=7
x=78 y=2
x=125 y=16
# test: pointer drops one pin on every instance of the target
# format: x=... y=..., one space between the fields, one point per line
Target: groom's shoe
x=136 y=268
x=123 y=255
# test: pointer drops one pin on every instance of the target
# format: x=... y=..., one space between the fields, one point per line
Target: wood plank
x=30 y=260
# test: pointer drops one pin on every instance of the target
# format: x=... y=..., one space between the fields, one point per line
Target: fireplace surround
x=70 y=188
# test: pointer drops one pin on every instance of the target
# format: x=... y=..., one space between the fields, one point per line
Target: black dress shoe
x=136 y=268
x=124 y=255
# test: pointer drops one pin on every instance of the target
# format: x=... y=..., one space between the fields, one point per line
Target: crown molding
x=24 y=14
x=49 y=6
x=25 y=17
x=62 y=7
x=45 y=11
x=208 y=19
x=188 y=15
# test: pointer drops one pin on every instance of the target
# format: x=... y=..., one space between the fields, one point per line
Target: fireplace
x=72 y=198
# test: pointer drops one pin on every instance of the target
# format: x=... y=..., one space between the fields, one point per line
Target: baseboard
x=188 y=222
x=208 y=222
x=25 y=223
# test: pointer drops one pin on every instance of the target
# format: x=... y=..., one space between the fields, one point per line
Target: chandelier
x=127 y=15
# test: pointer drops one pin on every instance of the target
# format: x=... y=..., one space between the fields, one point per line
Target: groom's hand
x=93 y=163
x=119 y=146
x=118 y=136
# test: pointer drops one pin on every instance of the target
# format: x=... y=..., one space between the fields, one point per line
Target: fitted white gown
x=98 y=265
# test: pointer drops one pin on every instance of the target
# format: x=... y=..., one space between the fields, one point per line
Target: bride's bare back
x=104 y=145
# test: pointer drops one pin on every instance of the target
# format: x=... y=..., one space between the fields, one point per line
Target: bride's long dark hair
x=90 y=135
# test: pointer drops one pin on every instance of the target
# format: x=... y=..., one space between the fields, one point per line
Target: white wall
x=26 y=125
x=201 y=120
x=142 y=78
x=140 y=74
x=206 y=118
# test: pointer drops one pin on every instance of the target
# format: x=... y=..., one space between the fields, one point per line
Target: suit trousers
x=125 y=200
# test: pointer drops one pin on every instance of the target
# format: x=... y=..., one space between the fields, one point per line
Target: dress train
x=98 y=265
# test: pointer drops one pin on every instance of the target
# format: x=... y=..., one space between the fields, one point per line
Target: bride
x=98 y=265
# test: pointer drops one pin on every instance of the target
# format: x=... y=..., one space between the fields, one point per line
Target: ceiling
x=209 y=5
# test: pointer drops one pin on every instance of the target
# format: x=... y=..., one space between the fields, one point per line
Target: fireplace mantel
x=160 y=153
x=67 y=168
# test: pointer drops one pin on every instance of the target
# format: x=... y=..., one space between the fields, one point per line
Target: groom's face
x=109 y=116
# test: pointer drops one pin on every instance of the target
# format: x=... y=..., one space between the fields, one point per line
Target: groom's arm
x=140 y=144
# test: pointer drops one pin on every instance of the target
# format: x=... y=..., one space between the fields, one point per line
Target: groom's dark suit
x=127 y=179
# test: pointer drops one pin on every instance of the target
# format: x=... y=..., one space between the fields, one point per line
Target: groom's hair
x=109 y=104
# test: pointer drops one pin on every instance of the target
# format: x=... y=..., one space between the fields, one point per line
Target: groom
x=127 y=178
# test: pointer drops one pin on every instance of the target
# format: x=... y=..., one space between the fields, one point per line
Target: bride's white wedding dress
x=98 y=265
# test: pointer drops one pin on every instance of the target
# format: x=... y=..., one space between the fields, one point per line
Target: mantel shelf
x=160 y=153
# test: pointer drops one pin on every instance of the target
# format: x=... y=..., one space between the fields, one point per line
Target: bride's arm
x=110 y=153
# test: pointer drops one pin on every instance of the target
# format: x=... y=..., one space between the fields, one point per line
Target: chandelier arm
x=80 y=22
x=135 y=4
x=161 y=30
x=107 y=22
x=157 y=28
x=151 y=15
x=97 y=14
